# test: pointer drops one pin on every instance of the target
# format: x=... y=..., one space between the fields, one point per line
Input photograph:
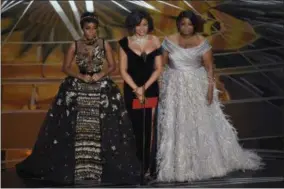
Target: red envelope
x=151 y=102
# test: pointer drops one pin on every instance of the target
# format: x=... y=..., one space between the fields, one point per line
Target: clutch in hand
x=150 y=102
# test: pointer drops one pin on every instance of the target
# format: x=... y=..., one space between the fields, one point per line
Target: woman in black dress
x=87 y=134
x=140 y=67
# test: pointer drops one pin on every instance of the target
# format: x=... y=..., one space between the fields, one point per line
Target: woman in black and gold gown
x=87 y=134
x=140 y=67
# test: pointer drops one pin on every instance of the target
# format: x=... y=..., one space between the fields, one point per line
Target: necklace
x=90 y=41
x=140 y=40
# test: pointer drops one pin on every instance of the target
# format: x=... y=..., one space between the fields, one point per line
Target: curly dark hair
x=191 y=16
x=135 y=18
x=89 y=17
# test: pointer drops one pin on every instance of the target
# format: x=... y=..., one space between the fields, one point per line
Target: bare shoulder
x=156 y=40
x=72 y=47
x=106 y=44
x=173 y=37
x=200 y=38
x=73 y=44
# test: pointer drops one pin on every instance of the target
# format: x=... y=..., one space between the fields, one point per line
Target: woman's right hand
x=140 y=93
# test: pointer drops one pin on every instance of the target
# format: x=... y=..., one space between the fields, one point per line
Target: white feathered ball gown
x=195 y=141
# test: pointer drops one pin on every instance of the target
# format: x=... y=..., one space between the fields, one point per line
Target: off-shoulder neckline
x=177 y=45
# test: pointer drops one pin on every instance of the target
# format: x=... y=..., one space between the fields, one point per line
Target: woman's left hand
x=97 y=76
x=210 y=98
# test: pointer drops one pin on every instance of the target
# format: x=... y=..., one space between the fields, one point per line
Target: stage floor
x=272 y=176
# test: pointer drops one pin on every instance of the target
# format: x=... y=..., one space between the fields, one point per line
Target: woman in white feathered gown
x=195 y=140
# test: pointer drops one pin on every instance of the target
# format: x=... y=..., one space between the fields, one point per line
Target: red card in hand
x=149 y=103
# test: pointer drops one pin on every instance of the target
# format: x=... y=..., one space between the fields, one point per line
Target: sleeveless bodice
x=90 y=58
x=185 y=58
x=140 y=68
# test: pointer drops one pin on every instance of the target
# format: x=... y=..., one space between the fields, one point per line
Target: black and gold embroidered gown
x=86 y=134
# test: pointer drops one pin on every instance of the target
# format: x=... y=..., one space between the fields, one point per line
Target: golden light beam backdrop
x=58 y=21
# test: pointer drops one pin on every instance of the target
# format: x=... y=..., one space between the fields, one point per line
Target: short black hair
x=135 y=18
x=191 y=16
x=89 y=17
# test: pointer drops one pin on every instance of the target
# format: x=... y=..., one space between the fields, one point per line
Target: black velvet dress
x=140 y=69
x=87 y=134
